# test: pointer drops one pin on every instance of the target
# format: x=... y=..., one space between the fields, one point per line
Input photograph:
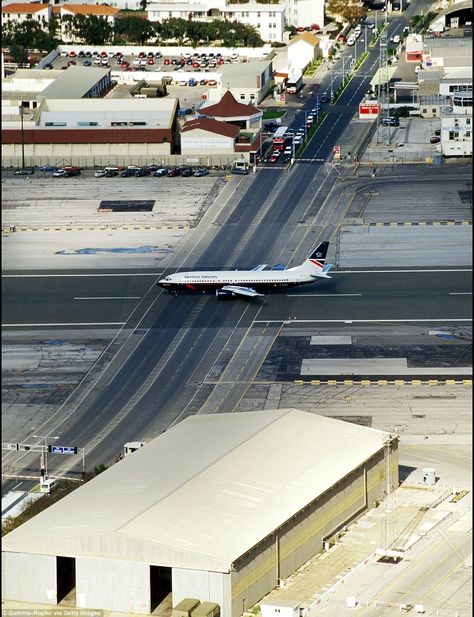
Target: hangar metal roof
x=74 y=83
x=204 y=492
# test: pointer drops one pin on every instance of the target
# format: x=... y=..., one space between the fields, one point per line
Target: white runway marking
x=37 y=276
x=322 y=295
x=110 y=298
x=357 y=320
x=72 y=323
x=460 y=293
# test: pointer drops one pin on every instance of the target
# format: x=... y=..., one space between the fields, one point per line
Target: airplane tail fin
x=315 y=265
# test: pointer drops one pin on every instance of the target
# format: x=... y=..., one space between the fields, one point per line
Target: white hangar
x=219 y=508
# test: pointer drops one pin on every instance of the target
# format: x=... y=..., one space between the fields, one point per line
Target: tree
x=349 y=10
x=19 y=54
x=90 y=29
x=134 y=29
x=28 y=35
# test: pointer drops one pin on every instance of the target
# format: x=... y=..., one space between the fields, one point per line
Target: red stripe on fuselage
x=316 y=263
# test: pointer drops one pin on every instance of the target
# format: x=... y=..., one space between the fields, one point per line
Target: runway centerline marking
x=460 y=293
x=348 y=320
x=72 y=323
x=322 y=295
x=109 y=298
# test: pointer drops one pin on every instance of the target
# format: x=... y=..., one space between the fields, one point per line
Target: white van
x=47 y=485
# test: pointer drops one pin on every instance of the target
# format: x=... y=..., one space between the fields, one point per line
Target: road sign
x=62 y=449
x=9 y=446
x=336 y=150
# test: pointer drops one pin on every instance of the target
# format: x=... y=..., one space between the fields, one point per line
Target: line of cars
x=145 y=60
x=133 y=171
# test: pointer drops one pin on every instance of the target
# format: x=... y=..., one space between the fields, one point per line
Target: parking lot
x=189 y=68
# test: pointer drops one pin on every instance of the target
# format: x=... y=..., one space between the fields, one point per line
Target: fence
x=97 y=161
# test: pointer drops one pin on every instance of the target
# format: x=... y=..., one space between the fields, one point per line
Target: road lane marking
x=109 y=298
x=460 y=293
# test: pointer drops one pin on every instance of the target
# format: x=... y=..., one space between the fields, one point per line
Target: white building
x=456 y=126
x=302 y=50
x=219 y=508
x=19 y=12
x=71 y=10
x=267 y=19
x=304 y=13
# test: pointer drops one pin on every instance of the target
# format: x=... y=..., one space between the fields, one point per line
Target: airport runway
x=97 y=299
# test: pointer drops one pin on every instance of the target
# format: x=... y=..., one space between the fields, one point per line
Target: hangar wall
x=204 y=585
x=29 y=578
x=113 y=585
x=279 y=555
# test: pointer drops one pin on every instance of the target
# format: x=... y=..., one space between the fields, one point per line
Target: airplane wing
x=259 y=268
x=243 y=291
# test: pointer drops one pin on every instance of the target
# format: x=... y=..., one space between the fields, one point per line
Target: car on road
x=201 y=172
x=395 y=39
x=24 y=171
x=48 y=168
x=351 y=40
x=239 y=171
x=324 y=98
x=391 y=121
x=435 y=139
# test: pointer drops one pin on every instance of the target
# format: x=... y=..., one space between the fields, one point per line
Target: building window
x=468 y=133
x=242 y=97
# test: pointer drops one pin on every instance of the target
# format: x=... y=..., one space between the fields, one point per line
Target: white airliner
x=231 y=283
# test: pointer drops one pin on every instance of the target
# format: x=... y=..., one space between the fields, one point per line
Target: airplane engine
x=224 y=294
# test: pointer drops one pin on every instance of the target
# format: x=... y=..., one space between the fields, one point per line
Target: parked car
x=87 y=63
x=239 y=171
x=435 y=139
x=187 y=172
x=48 y=168
x=24 y=171
x=201 y=172
x=101 y=173
x=172 y=173
x=159 y=173
x=72 y=54
x=212 y=82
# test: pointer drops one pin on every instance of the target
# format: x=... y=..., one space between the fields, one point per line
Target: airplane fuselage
x=209 y=281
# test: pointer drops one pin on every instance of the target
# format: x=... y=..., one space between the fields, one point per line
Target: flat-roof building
x=218 y=508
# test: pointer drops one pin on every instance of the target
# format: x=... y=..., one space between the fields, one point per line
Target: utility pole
x=44 y=451
x=384 y=94
x=22 y=139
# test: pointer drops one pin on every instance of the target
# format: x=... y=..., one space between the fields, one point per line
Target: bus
x=293 y=86
x=279 y=137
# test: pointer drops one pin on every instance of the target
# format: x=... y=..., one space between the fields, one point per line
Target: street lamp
x=22 y=139
x=44 y=458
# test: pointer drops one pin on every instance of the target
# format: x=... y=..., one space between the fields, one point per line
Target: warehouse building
x=90 y=132
x=218 y=508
